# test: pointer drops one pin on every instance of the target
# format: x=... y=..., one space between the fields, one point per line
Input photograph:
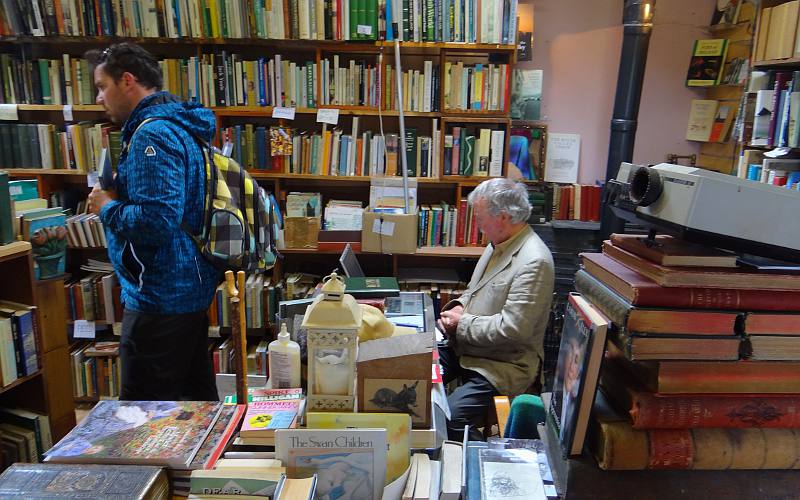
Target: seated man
x=495 y=330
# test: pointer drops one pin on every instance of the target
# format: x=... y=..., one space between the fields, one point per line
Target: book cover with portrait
x=583 y=340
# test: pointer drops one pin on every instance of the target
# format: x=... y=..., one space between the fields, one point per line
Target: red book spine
x=473 y=234
x=586 y=201
x=688 y=411
x=462 y=222
x=671 y=449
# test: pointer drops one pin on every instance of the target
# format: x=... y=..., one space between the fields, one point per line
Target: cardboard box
x=300 y=232
x=389 y=233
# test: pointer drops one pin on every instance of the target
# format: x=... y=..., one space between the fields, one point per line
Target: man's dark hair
x=122 y=57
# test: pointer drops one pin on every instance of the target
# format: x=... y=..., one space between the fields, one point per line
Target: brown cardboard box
x=389 y=233
x=300 y=232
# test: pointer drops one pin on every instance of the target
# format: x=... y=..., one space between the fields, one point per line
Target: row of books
x=482 y=21
x=675 y=315
x=482 y=87
x=753 y=165
x=261 y=299
x=24 y=436
x=447 y=225
x=576 y=202
x=96 y=370
x=68 y=80
x=78 y=147
x=94 y=298
x=474 y=152
x=19 y=351
x=774 y=111
x=86 y=231
x=777 y=32
x=257 y=359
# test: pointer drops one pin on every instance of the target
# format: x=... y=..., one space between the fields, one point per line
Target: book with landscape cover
x=708 y=59
x=105 y=482
x=642 y=291
x=651 y=410
x=166 y=433
x=712 y=277
x=264 y=417
x=350 y=463
x=618 y=446
x=583 y=341
x=669 y=251
x=653 y=320
x=712 y=377
x=398 y=433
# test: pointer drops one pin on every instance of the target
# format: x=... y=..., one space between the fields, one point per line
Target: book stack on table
x=702 y=367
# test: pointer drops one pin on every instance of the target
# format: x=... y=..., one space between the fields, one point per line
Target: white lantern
x=332 y=323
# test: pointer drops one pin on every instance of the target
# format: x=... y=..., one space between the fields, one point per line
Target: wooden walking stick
x=238 y=332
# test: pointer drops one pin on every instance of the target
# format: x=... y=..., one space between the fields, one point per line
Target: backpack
x=238 y=213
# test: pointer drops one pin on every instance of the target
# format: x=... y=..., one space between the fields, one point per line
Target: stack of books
x=701 y=369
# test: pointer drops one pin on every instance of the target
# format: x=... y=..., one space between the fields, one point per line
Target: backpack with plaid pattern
x=237 y=217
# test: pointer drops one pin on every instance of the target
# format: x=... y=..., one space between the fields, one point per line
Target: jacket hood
x=192 y=115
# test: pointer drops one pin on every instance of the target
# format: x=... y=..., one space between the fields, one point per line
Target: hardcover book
x=218 y=437
x=166 y=433
x=105 y=482
x=668 y=251
x=583 y=341
x=372 y=287
x=349 y=464
x=398 y=433
x=708 y=59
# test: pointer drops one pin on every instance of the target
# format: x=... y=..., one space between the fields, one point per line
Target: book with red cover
x=764 y=323
x=668 y=251
x=711 y=277
x=651 y=410
x=644 y=292
x=463 y=214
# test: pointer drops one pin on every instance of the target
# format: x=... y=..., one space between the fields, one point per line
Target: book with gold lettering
x=350 y=463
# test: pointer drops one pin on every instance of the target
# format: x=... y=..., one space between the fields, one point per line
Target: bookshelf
x=47 y=390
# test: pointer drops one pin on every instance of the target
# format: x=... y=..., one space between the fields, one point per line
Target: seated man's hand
x=448 y=320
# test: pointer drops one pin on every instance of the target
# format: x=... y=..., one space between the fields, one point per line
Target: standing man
x=167 y=285
x=495 y=330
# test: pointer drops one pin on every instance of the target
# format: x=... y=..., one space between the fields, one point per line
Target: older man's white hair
x=503 y=195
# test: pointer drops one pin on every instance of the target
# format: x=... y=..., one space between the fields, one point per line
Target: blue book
x=343 y=145
x=48 y=237
x=237 y=144
x=262 y=90
x=26 y=346
x=261 y=148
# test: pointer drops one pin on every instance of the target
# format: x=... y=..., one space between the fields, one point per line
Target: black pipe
x=637 y=20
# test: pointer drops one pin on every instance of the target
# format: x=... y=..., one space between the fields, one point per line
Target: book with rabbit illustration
x=350 y=463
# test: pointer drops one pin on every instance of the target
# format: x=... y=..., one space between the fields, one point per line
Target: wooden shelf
x=266 y=111
x=59 y=107
x=65 y=172
x=727 y=26
x=467 y=252
x=777 y=63
x=367 y=45
x=20 y=381
x=14 y=249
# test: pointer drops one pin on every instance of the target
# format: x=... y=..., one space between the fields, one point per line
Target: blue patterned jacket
x=160 y=184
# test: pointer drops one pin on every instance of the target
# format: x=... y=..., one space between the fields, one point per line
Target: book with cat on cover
x=652 y=410
x=264 y=417
x=106 y=482
x=166 y=433
x=350 y=463
x=583 y=341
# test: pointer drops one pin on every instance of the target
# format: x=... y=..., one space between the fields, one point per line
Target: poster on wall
x=563 y=158
x=526 y=94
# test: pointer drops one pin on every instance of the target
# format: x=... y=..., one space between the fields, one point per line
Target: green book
x=372 y=287
x=24 y=189
x=371 y=18
x=44 y=78
x=467 y=155
x=355 y=20
x=411 y=153
x=6 y=153
x=6 y=219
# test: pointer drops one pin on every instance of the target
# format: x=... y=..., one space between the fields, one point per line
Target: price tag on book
x=92 y=178
x=364 y=29
x=328 y=115
x=281 y=112
x=8 y=112
x=83 y=329
x=68 y=112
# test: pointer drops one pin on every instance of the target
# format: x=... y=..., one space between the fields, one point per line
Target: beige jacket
x=501 y=333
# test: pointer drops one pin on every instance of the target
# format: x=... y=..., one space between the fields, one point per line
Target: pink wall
x=578 y=42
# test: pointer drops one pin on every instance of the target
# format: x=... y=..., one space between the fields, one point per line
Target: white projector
x=710 y=208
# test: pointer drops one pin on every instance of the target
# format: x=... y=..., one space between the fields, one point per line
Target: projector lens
x=646 y=186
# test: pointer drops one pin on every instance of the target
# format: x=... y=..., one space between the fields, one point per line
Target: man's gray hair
x=503 y=195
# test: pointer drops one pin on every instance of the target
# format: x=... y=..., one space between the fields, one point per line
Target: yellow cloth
x=500 y=248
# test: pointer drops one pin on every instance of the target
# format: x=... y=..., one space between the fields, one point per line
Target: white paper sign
x=281 y=112
x=68 y=112
x=563 y=158
x=8 y=112
x=364 y=29
x=92 y=179
x=327 y=115
x=385 y=228
x=83 y=329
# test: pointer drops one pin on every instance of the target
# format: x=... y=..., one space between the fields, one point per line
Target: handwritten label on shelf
x=281 y=112
x=8 y=112
x=364 y=29
x=83 y=329
x=67 y=112
x=385 y=228
x=327 y=115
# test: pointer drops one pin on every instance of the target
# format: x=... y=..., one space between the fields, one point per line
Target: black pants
x=165 y=357
x=470 y=401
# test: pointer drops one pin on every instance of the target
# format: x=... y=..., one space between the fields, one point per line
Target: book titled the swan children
x=350 y=463
x=166 y=433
